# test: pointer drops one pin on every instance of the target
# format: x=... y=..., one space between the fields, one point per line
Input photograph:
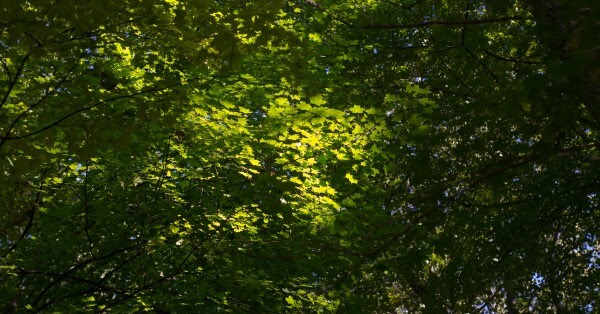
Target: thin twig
x=86 y=204
x=32 y=212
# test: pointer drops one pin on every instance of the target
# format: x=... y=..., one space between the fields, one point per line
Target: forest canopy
x=387 y=156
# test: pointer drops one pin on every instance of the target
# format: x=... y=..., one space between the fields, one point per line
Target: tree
x=388 y=156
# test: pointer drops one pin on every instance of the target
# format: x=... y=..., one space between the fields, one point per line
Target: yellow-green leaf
x=317 y=100
x=351 y=178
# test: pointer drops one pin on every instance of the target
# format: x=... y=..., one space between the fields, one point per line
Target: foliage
x=273 y=156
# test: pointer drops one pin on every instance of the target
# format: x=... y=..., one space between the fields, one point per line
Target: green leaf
x=350 y=178
x=315 y=37
x=290 y=300
x=317 y=100
x=357 y=109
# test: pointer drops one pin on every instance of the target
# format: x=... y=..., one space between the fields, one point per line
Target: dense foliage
x=302 y=156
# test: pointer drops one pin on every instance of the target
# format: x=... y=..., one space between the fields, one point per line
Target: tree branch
x=508 y=59
x=442 y=23
x=86 y=213
x=15 y=79
x=32 y=212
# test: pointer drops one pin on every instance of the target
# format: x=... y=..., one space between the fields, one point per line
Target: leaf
x=296 y=180
x=282 y=101
x=357 y=129
x=254 y=162
x=227 y=104
x=357 y=109
x=315 y=37
x=416 y=89
x=390 y=98
x=304 y=106
x=318 y=120
x=351 y=178
x=317 y=100
x=290 y=300
x=322 y=159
